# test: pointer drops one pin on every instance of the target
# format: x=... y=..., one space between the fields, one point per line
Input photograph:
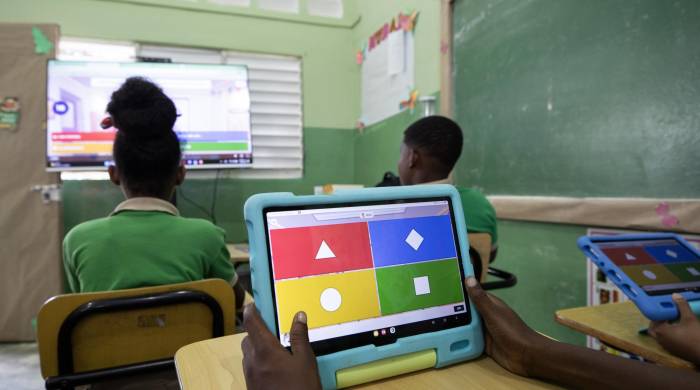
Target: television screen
x=213 y=104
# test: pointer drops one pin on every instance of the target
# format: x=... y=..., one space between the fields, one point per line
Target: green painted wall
x=579 y=98
x=551 y=273
x=328 y=68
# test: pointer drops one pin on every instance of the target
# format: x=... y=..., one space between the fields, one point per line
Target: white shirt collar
x=146 y=204
x=447 y=180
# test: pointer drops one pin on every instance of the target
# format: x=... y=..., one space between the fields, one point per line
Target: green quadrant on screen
x=686 y=272
x=214 y=146
x=399 y=291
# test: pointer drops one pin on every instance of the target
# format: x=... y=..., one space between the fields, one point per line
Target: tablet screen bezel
x=341 y=343
x=598 y=240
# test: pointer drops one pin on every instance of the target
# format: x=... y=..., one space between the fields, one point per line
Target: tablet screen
x=368 y=273
x=659 y=266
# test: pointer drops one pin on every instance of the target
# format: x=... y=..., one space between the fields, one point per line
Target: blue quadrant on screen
x=670 y=253
x=404 y=241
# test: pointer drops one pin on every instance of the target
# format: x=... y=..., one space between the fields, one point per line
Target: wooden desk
x=216 y=364
x=618 y=324
x=240 y=253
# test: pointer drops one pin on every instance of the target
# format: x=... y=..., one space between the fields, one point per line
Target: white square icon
x=422 y=285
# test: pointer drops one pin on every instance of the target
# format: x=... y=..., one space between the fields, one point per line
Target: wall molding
x=349 y=20
x=627 y=213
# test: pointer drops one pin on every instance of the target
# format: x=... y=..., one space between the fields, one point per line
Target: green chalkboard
x=579 y=98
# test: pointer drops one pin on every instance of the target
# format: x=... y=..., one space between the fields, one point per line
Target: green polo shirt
x=479 y=213
x=144 y=242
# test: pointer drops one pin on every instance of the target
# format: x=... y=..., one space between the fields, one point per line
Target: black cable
x=214 y=196
x=181 y=192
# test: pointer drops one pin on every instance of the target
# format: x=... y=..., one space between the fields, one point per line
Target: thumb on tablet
x=299 y=336
x=686 y=313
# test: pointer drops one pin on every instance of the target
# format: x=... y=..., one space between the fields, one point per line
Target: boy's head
x=431 y=146
x=146 y=149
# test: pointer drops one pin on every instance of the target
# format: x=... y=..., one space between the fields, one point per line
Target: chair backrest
x=481 y=242
x=117 y=328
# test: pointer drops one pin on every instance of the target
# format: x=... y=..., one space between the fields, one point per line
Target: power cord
x=211 y=213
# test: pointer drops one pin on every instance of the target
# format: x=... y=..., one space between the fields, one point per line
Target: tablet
x=379 y=272
x=366 y=273
x=648 y=268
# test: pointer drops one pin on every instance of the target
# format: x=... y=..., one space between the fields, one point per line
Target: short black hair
x=439 y=137
x=146 y=149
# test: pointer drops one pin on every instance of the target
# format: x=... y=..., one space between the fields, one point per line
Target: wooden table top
x=240 y=253
x=618 y=325
x=216 y=364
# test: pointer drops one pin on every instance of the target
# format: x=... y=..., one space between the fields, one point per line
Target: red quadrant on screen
x=299 y=252
x=629 y=256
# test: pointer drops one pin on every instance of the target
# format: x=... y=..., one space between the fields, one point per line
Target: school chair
x=92 y=337
x=481 y=257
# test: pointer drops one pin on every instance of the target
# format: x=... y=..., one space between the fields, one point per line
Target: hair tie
x=106 y=123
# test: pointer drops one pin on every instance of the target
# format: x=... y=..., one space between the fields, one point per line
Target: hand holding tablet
x=378 y=272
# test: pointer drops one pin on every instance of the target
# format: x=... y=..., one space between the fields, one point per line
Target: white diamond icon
x=324 y=252
x=630 y=257
x=414 y=239
x=671 y=253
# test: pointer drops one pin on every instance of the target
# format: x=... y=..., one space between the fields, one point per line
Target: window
x=275 y=93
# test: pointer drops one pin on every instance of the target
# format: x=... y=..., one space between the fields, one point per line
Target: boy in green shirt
x=430 y=149
x=145 y=242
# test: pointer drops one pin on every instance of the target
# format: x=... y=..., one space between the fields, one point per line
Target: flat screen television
x=213 y=104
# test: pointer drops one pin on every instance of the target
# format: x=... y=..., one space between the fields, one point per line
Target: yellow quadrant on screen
x=328 y=299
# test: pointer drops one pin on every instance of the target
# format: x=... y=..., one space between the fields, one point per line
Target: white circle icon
x=330 y=299
x=649 y=274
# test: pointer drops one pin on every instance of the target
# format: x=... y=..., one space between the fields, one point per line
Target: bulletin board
x=388 y=70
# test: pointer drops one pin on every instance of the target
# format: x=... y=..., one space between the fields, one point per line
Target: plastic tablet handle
x=386 y=368
x=695 y=307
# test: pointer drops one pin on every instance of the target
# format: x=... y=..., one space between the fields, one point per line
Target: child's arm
x=516 y=347
x=681 y=338
x=222 y=268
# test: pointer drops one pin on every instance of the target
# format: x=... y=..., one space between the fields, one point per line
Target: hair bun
x=140 y=108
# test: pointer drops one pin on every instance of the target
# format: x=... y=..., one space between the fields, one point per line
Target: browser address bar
x=358 y=214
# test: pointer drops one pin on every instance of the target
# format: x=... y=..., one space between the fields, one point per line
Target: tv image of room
x=260 y=194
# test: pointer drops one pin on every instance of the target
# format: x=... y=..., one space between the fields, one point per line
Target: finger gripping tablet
x=378 y=271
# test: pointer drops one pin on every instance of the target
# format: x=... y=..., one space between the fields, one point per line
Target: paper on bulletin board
x=387 y=77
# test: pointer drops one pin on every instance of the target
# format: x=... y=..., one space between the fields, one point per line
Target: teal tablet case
x=449 y=345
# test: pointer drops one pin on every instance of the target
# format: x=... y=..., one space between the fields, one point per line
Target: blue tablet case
x=450 y=345
x=657 y=307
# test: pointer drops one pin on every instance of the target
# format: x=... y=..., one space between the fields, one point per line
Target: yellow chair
x=482 y=255
x=90 y=337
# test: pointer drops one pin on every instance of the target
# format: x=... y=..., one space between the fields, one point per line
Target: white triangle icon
x=324 y=252
x=630 y=257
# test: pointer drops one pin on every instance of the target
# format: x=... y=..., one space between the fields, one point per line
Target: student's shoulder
x=85 y=230
x=472 y=194
x=201 y=228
